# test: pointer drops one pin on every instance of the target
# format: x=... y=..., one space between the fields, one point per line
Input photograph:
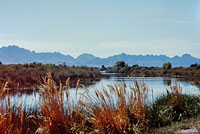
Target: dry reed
x=116 y=110
x=175 y=93
x=11 y=118
x=58 y=115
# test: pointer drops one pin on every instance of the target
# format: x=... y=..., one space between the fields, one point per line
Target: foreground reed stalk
x=176 y=100
x=58 y=115
x=113 y=110
x=175 y=94
x=116 y=110
x=11 y=118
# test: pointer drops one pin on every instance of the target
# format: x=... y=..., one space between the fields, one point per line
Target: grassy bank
x=116 y=110
x=191 y=74
x=181 y=125
x=30 y=75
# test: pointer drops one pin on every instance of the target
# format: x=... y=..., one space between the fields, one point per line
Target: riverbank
x=191 y=74
x=186 y=126
x=110 y=112
x=30 y=75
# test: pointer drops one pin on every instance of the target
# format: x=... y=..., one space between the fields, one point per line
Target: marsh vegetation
x=113 y=108
x=30 y=75
x=116 y=110
x=191 y=74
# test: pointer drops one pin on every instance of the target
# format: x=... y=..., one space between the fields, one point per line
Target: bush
x=172 y=107
x=167 y=66
x=29 y=75
x=120 y=64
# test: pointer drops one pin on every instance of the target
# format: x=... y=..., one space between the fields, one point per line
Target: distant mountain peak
x=13 y=54
x=12 y=46
x=123 y=54
x=15 y=47
x=186 y=55
x=176 y=57
x=85 y=55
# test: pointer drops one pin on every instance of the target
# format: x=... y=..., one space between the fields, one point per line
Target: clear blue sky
x=102 y=27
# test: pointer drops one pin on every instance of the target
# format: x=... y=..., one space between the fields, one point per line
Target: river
x=156 y=85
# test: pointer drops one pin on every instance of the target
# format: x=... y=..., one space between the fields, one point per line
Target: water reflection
x=157 y=86
x=167 y=82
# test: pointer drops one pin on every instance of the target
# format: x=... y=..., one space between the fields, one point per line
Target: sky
x=102 y=27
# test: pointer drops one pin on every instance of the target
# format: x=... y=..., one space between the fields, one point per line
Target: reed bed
x=115 y=109
x=11 y=118
x=58 y=115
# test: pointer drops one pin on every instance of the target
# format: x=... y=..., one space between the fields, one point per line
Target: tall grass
x=116 y=110
x=173 y=107
x=175 y=95
x=11 y=118
x=58 y=115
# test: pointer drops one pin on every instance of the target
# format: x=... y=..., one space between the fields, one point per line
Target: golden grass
x=11 y=119
x=115 y=110
x=175 y=93
x=57 y=114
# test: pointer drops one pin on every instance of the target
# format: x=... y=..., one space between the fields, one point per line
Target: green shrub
x=162 y=113
x=167 y=66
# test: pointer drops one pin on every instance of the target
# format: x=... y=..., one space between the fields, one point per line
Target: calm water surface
x=157 y=86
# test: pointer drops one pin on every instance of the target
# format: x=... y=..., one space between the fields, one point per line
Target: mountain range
x=16 y=55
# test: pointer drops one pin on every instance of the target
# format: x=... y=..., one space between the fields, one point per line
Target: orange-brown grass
x=113 y=110
x=58 y=115
x=175 y=100
x=175 y=94
x=11 y=118
x=116 y=110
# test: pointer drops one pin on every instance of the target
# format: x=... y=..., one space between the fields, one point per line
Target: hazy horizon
x=102 y=28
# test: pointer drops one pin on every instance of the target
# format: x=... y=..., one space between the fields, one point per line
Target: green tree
x=167 y=66
x=120 y=64
x=135 y=66
x=195 y=66
x=103 y=68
